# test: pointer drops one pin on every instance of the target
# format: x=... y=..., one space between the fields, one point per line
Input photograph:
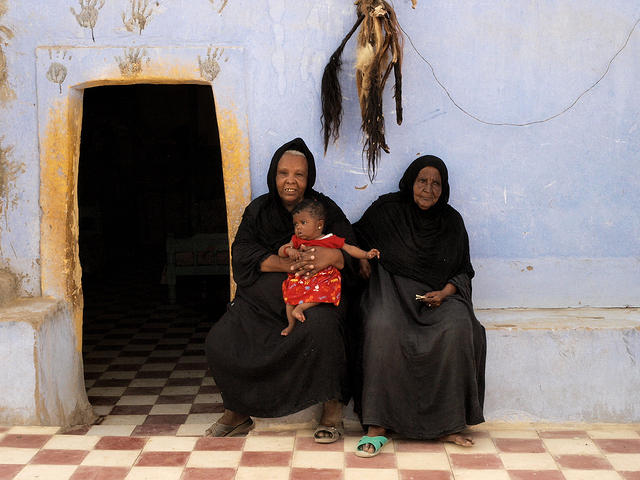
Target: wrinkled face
x=291 y=179
x=306 y=226
x=427 y=188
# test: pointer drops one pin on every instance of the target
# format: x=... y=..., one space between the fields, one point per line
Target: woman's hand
x=435 y=298
x=365 y=269
x=314 y=259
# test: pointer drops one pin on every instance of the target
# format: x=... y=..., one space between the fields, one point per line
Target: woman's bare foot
x=458 y=439
x=373 y=431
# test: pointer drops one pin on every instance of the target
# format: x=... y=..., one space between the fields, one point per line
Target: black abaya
x=260 y=372
x=423 y=367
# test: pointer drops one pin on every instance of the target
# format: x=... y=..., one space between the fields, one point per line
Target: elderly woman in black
x=259 y=371
x=423 y=348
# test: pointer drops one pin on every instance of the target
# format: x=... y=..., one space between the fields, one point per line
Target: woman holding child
x=423 y=352
x=259 y=371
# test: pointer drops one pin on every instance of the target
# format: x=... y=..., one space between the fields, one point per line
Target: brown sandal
x=335 y=433
x=222 y=430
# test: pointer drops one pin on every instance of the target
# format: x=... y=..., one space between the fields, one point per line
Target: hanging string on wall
x=531 y=122
x=378 y=52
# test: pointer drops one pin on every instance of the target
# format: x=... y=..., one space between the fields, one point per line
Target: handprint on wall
x=139 y=16
x=57 y=72
x=88 y=15
x=209 y=67
x=223 y=4
x=131 y=63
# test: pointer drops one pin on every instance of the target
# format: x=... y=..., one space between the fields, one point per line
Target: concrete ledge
x=548 y=365
x=41 y=379
x=562 y=365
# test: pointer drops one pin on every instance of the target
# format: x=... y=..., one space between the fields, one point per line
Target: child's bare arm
x=282 y=251
x=288 y=251
x=359 y=253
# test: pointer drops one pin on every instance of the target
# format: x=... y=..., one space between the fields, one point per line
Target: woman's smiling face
x=427 y=188
x=291 y=179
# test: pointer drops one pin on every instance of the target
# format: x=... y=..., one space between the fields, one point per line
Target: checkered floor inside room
x=145 y=367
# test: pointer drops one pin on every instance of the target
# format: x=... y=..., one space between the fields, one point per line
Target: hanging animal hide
x=379 y=50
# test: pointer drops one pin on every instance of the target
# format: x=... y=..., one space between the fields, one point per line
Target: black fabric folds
x=260 y=372
x=421 y=368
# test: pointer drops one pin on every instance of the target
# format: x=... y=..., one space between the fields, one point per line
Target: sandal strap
x=377 y=442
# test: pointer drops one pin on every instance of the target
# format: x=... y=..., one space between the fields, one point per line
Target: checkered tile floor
x=146 y=374
x=145 y=369
x=525 y=452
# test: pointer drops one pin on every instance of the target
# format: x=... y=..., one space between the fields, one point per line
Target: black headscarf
x=430 y=246
x=267 y=224
x=411 y=173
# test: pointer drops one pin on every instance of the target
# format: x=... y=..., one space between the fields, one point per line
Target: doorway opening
x=150 y=172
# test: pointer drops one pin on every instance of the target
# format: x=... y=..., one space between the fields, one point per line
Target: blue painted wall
x=551 y=207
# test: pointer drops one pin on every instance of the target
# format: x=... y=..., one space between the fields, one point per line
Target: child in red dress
x=302 y=292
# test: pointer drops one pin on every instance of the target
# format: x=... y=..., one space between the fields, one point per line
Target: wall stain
x=222 y=2
x=139 y=16
x=57 y=72
x=209 y=67
x=6 y=93
x=234 y=146
x=9 y=172
x=61 y=271
x=88 y=14
x=131 y=63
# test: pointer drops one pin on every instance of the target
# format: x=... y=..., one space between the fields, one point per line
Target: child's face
x=306 y=226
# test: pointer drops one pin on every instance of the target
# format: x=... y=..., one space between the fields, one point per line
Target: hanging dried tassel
x=379 y=51
x=373 y=126
x=331 y=92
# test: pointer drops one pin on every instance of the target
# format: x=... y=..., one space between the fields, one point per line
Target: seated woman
x=423 y=353
x=259 y=371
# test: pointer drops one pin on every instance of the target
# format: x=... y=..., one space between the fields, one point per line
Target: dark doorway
x=150 y=169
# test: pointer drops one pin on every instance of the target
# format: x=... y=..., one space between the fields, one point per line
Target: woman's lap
x=418 y=363
x=266 y=374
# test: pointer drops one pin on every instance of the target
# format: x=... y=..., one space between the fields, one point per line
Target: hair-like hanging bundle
x=331 y=92
x=379 y=50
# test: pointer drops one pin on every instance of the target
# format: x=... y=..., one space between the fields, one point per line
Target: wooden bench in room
x=201 y=254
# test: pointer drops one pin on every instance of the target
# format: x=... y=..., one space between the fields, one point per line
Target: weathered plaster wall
x=551 y=207
x=541 y=364
x=42 y=382
x=18 y=397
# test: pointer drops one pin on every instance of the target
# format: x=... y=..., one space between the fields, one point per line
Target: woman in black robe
x=259 y=371
x=423 y=352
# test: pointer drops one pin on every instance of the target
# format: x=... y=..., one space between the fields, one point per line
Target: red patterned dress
x=324 y=286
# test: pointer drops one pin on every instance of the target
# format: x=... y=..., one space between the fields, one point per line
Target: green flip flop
x=377 y=442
